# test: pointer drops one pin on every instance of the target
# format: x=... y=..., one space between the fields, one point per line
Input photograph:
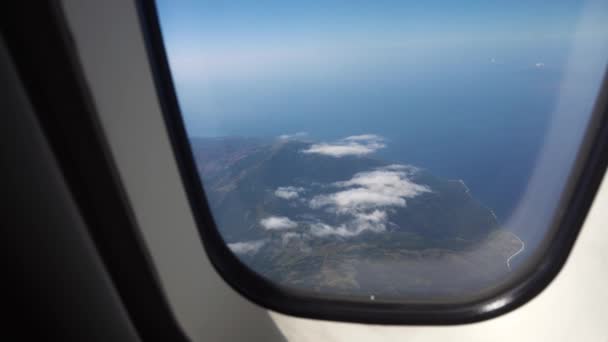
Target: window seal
x=576 y=200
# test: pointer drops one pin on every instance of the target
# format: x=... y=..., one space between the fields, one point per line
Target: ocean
x=482 y=124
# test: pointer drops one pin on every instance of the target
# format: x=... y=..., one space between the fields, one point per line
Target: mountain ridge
x=320 y=222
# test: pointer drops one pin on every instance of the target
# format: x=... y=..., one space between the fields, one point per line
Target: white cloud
x=369 y=190
x=386 y=181
x=366 y=199
x=322 y=230
x=341 y=150
x=356 y=145
x=364 y=137
x=359 y=198
x=539 y=65
x=409 y=169
x=286 y=237
x=361 y=222
x=376 y=216
x=247 y=247
x=292 y=136
x=277 y=223
x=288 y=192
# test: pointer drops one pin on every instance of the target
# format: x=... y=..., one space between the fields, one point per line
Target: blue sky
x=218 y=21
x=244 y=37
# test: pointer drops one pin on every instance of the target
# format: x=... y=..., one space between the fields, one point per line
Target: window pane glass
x=386 y=150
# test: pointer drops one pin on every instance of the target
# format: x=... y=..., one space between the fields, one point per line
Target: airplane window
x=387 y=151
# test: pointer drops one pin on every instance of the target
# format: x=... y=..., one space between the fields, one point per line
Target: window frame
x=68 y=119
x=580 y=190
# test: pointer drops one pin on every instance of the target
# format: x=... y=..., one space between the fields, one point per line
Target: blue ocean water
x=482 y=123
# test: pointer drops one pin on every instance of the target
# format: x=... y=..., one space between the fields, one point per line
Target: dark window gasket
x=581 y=187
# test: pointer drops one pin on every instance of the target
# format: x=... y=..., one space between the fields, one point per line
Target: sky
x=241 y=38
x=470 y=90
